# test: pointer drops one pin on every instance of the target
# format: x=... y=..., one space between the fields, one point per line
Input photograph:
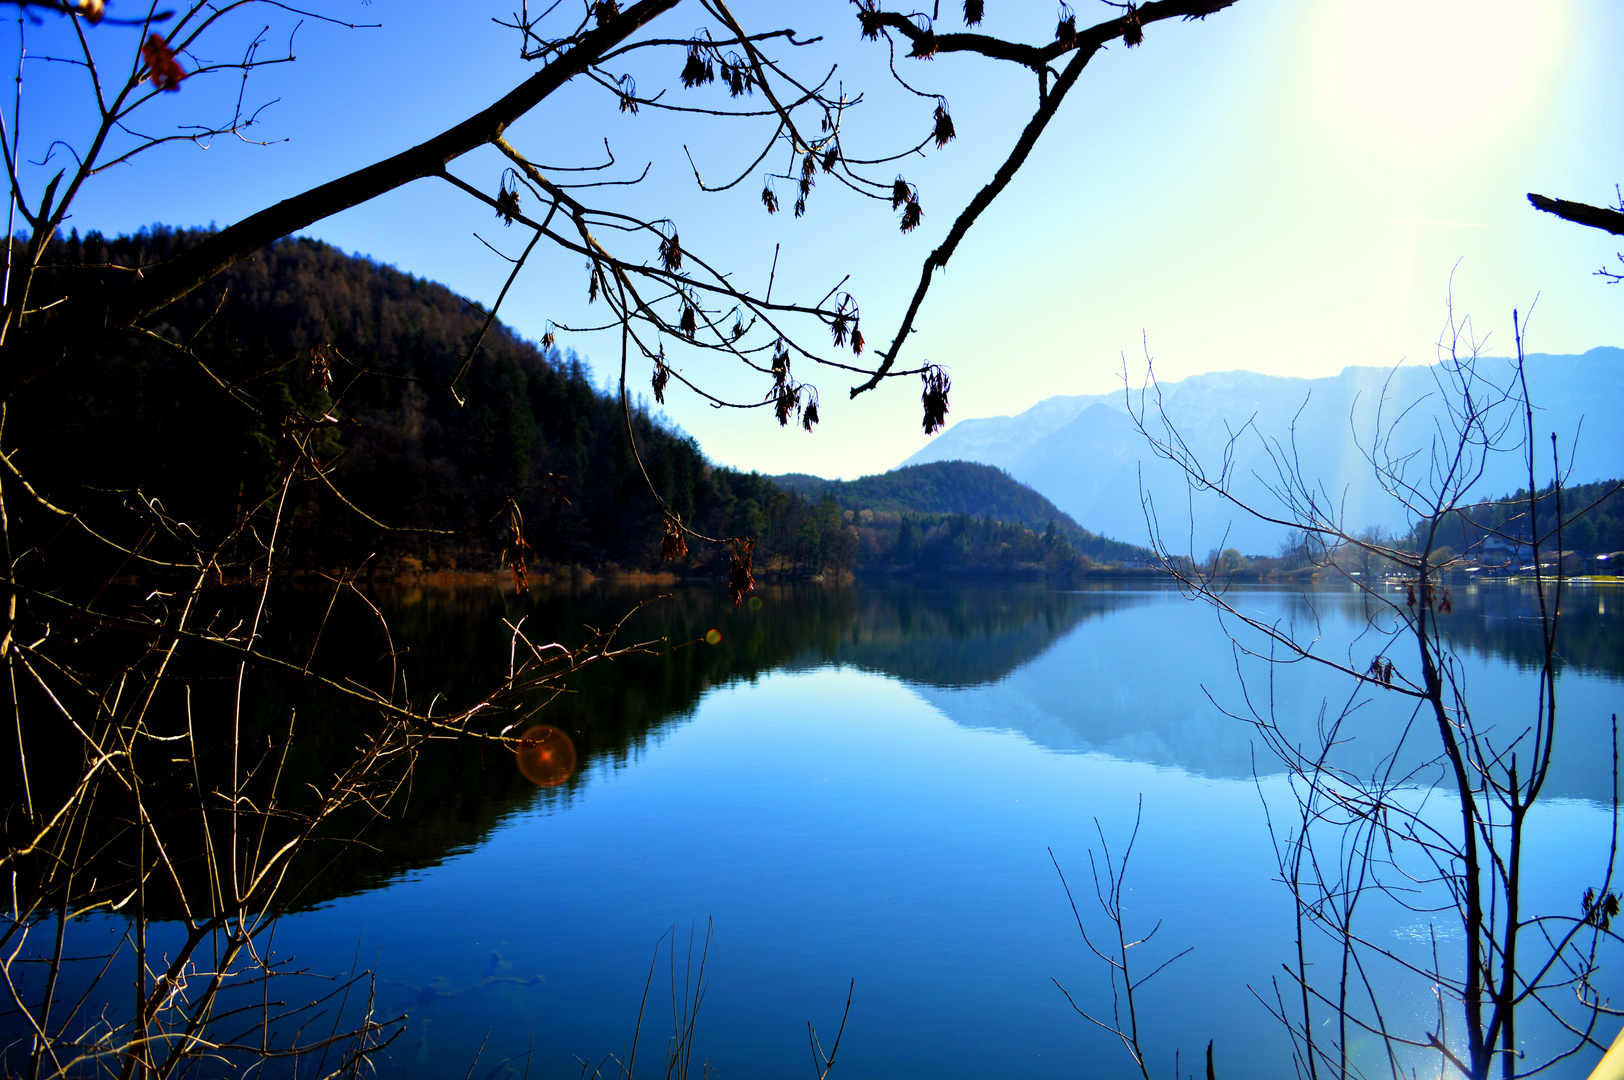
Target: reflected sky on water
x=864 y=783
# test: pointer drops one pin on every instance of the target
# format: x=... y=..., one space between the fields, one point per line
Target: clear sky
x=1290 y=187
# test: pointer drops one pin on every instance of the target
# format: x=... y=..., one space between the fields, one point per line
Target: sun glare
x=1438 y=71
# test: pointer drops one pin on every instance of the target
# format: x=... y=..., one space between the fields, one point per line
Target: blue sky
x=1288 y=187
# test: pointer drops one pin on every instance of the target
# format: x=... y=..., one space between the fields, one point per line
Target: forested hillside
x=938 y=492
x=145 y=415
x=1594 y=514
x=307 y=338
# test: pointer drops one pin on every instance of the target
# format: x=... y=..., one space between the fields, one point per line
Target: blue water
x=841 y=827
x=865 y=799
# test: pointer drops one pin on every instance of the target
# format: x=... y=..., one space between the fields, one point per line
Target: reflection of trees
x=454 y=640
x=1500 y=620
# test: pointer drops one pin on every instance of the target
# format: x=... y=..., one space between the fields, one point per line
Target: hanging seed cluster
x=704 y=61
x=789 y=398
x=1381 y=670
x=740 y=581
x=844 y=326
x=507 y=199
x=973 y=11
x=515 y=547
x=1065 y=31
x=671 y=252
x=673 y=545
x=1133 y=30
x=934 y=397
x=942 y=125
x=606 y=12
x=662 y=375
x=869 y=19
x=319 y=371
x=905 y=195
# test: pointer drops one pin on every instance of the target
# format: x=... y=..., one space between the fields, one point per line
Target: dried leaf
x=689 y=324
x=911 y=216
x=162 y=67
x=934 y=398
x=548 y=339
x=809 y=416
x=857 y=342
x=769 y=199
x=800 y=206
x=900 y=192
x=831 y=157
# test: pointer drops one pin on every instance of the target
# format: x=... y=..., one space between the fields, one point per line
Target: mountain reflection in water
x=1124 y=671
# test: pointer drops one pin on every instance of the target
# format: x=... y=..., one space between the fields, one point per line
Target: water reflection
x=1129 y=672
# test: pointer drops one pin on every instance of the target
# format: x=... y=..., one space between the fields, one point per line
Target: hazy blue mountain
x=1085 y=454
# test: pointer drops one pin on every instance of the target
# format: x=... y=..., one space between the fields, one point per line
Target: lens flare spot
x=545 y=756
x=713 y=637
x=755 y=603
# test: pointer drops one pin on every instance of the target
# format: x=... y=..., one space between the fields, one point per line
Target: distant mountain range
x=1085 y=454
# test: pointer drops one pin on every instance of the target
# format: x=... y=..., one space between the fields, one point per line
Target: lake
x=859 y=788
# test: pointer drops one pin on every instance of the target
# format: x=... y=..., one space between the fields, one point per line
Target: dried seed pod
x=738 y=329
x=739 y=579
x=800 y=206
x=1447 y=605
x=671 y=252
x=698 y=70
x=973 y=11
x=942 y=131
x=689 y=324
x=911 y=215
x=830 y=157
x=592 y=283
x=548 y=339
x=934 y=397
x=606 y=11
x=673 y=545
x=900 y=192
x=1133 y=30
x=769 y=199
x=809 y=416
x=856 y=342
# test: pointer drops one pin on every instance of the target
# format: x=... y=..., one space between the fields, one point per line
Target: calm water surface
x=865 y=784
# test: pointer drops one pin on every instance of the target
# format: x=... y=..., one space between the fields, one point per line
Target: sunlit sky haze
x=1286 y=187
